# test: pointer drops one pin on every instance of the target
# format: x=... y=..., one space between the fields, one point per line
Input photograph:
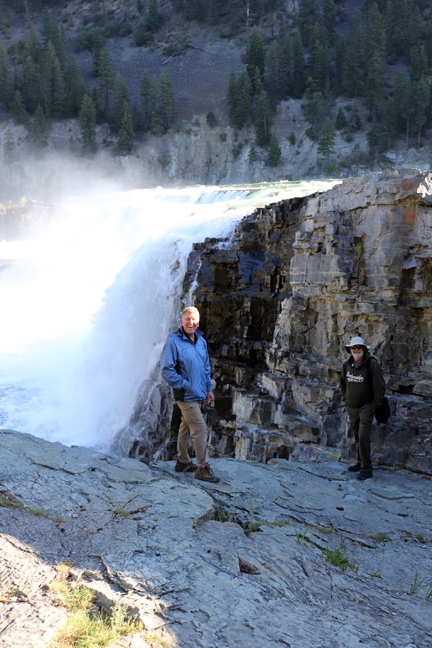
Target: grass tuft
x=37 y=511
x=335 y=557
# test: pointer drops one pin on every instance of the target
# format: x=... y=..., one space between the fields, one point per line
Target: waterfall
x=87 y=303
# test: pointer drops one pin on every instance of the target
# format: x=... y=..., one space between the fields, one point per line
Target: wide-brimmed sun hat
x=356 y=341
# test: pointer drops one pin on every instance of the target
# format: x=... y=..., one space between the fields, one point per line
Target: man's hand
x=209 y=397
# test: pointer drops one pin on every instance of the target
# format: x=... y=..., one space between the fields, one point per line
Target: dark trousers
x=361 y=423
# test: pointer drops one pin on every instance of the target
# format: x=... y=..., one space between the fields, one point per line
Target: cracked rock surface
x=239 y=563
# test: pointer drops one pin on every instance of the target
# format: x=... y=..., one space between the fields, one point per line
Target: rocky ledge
x=279 y=301
x=239 y=563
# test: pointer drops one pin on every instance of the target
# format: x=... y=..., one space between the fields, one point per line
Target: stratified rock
x=145 y=538
x=279 y=302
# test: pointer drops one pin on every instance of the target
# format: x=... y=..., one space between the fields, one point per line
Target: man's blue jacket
x=185 y=365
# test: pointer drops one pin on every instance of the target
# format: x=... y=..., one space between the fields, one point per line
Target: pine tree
x=75 y=86
x=255 y=56
x=395 y=107
x=145 y=95
x=126 y=130
x=106 y=79
x=39 y=128
x=214 y=12
x=29 y=82
x=375 y=36
x=8 y=147
x=34 y=45
x=354 y=60
x=18 y=111
x=49 y=30
x=98 y=43
x=58 y=89
x=428 y=44
x=263 y=113
x=415 y=28
x=421 y=103
x=307 y=17
x=257 y=85
x=419 y=63
x=211 y=119
x=339 y=61
x=253 y=153
x=285 y=66
x=231 y=98
x=298 y=68
x=153 y=17
x=120 y=95
x=373 y=83
x=5 y=83
x=329 y=17
x=87 y=118
x=374 y=136
x=156 y=124
x=320 y=58
x=274 y=153
x=341 y=121
x=327 y=140
x=274 y=72
x=167 y=99
x=244 y=102
x=314 y=112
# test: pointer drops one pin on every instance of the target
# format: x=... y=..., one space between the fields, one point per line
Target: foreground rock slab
x=239 y=563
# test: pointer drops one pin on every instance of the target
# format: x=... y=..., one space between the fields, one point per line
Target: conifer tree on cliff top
x=255 y=56
x=327 y=140
x=120 y=95
x=87 y=119
x=106 y=78
x=126 y=130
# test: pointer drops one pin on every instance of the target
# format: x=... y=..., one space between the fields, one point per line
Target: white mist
x=87 y=305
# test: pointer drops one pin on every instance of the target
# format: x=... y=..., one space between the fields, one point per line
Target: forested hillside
x=62 y=59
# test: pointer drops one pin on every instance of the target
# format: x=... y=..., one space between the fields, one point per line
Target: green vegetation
x=5 y=501
x=300 y=538
x=88 y=626
x=422 y=587
x=335 y=557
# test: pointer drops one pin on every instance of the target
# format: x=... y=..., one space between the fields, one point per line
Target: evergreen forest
x=381 y=56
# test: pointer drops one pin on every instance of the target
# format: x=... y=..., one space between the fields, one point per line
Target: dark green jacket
x=355 y=386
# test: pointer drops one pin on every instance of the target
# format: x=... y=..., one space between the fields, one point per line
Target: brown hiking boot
x=206 y=474
x=188 y=467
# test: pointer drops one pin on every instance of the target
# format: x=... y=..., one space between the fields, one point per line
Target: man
x=186 y=368
x=361 y=397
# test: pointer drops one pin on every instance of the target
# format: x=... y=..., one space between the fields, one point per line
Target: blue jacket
x=185 y=366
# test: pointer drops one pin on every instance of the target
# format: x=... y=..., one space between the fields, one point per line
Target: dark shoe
x=355 y=468
x=206 y=474
x=189 y=467
x=364 y=474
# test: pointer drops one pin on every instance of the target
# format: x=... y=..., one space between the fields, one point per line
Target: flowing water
x=87 y=305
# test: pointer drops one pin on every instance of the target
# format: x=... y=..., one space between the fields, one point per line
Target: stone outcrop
x=279 y=302
x=239 y=563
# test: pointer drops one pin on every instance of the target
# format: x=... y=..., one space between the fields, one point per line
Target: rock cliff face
x=279 y=302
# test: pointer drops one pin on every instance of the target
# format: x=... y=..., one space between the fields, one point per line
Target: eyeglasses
x=356 y=348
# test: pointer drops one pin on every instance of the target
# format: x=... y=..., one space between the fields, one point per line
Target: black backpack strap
x=369 y=372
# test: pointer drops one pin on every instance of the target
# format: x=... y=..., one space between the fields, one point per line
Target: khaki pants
x=192 y=423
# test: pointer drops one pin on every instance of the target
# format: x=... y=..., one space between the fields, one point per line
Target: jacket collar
x=198 y=334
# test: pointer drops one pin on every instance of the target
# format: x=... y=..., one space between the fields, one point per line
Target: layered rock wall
x=279 y=302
